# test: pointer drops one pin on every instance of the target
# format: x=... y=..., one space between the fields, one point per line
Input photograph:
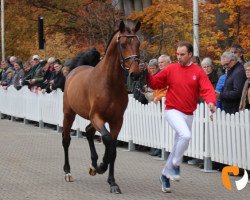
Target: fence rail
x=226 y=139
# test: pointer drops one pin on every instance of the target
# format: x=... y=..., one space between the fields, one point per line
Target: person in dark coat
x=238 y=51
x=58 y=79
x=234 y=83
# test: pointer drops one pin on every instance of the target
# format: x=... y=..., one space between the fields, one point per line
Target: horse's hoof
x=68 y=177
x=101 y=169
x=92 y=170
x=115 y=189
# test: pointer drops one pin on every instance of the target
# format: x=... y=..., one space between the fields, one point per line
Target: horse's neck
x=111 y=66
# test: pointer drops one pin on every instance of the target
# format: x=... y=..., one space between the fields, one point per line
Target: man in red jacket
x=185 y=81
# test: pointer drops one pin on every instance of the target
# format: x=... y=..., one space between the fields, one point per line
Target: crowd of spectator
x=230 y=79
x=38 y=75
x=43 y=75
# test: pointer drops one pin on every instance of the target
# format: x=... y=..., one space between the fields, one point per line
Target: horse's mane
x=90 y=57
x=110 y=39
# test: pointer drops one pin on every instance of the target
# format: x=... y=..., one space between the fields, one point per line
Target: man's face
x=16 y=66
x=153 y=69
x=12 y=60
x=3 y=64
x=183 y=56
x=226 y=63
x=46 y=67
x=236 y=52
x=35 y=62
x=26 y=67
x=162 y=63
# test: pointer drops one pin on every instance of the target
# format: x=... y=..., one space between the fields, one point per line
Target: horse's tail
x=90 y=57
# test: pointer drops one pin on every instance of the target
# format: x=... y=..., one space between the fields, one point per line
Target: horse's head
x=128 y=45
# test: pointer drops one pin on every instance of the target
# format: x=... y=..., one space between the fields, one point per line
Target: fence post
x=131 y=145
x=164 y=155
x=41 y=124
x=78 y=133
x=208 y=168
x=163 y=133
x=58 y=128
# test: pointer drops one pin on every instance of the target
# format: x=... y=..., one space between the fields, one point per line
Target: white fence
x=225 y=140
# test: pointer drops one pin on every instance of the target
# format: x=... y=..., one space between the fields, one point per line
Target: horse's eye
x=123 y=45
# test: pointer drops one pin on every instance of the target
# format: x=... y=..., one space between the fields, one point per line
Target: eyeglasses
x=205 y=67
x=226 y=64
x=235 y=52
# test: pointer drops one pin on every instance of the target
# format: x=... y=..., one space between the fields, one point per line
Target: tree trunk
x=220 y=23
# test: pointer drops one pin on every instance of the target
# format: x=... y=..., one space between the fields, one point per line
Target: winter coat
x=234 y=83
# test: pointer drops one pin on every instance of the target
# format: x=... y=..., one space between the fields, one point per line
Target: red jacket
x=185 y=84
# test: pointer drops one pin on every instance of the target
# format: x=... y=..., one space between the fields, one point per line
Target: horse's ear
x=122 y=26
x=137 y=27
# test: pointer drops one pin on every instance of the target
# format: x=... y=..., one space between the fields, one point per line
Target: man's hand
x=217 y=94
x=32 y=81
x=211 y=107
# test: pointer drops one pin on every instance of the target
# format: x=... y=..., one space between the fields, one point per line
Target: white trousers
x=182 y=125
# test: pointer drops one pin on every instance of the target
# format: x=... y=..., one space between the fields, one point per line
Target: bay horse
x=99 y=94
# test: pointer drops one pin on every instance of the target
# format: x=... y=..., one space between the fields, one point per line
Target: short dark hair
x=57 y=61
x=196 y=59
x=19 y=62
x=188 y=45
x=238 y=47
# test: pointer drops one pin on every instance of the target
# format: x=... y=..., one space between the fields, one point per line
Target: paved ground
x=31 y=161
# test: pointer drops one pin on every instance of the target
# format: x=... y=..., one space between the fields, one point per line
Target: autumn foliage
x=69 y=26
x=75 y=25
x=168 y=21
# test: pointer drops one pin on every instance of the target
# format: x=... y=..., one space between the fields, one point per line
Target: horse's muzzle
x=134 y=76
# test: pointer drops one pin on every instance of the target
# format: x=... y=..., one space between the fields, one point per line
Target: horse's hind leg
x=67 y=123
x=90 y=132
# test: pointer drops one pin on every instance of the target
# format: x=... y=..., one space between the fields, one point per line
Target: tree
x=222 y=22
x=163 y=25
x=70 y=26
x=232 y=24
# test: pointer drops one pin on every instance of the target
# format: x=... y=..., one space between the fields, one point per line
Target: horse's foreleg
x=106 y=138
x=67 y=123
x=90 y=132
x=114 y=188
